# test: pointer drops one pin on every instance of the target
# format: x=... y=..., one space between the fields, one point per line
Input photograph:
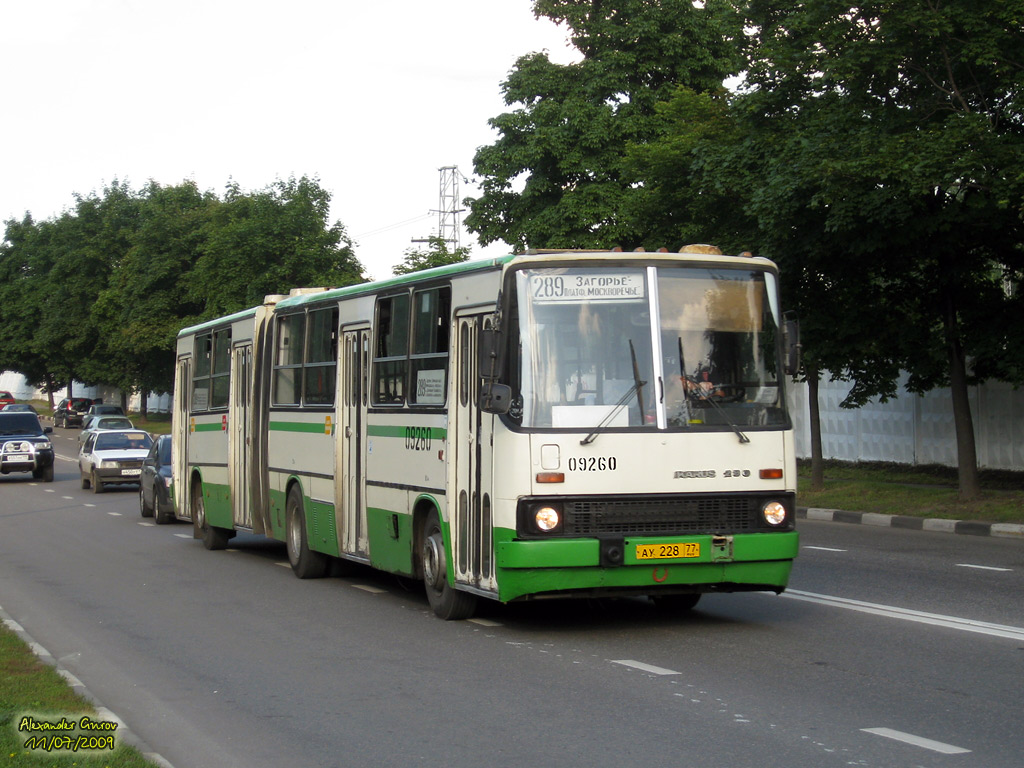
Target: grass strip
x=33 y=694
x=925 y=491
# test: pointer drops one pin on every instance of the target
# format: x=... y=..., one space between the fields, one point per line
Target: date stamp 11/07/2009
x=64 y=734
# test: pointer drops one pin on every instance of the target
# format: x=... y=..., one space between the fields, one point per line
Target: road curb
x=963 y=527
x=123 y=731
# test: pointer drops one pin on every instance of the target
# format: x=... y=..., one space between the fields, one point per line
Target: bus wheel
x=306 y=563
x=448 y=603
x=213 y=537
x=675 y=603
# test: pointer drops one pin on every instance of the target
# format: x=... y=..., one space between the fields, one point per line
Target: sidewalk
x=965 y=527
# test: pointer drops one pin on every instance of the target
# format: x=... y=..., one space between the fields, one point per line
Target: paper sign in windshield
x=547 y=289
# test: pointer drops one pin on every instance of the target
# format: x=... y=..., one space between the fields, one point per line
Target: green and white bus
x=564 y=423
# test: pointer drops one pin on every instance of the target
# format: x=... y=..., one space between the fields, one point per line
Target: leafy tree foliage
x=436 y=255
x=270 y=242
x=557 y=175
x=874 y=150
x=900 y=125
x=99 y=293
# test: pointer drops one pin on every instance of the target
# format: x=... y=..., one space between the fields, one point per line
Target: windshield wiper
x=701 y=393
x=637 y=387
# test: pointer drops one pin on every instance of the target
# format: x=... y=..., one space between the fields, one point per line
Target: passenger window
x=321 y=357
x=391 y=351
x=288 y=359
x=429 y=358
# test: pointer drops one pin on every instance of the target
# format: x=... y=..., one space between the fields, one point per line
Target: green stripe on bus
x=217 y=427
x=318 y=428
x=380 y=430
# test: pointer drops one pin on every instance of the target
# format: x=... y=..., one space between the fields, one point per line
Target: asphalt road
x=892 y=649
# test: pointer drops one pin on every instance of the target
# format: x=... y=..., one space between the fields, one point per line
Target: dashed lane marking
x=917 y=741
x=645 y=667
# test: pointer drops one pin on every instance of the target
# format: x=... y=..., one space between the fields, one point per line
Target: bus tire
x=447 y=602
x=675 y=603
x=306 y=564
x=211 y=536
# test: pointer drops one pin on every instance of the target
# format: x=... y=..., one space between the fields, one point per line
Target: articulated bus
x=554 y=424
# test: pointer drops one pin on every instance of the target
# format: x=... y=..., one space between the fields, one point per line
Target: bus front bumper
x=645 y=565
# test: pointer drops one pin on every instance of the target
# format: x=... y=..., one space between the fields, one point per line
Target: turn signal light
x=551 y=477
x=771 y=474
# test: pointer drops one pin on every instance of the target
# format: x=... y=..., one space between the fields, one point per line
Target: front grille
x=130 y=464
x=648 y=517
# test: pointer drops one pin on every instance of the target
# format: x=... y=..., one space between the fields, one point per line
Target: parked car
x=155 y=483
x=24 y=446
x=101 y=423
x=6 y=398
x=111 y=458
x=70 y=411
x=19 y=408
x=98 y=409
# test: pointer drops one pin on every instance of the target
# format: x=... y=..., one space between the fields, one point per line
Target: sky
x=371 y=98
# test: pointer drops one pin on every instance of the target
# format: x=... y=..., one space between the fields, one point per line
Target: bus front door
x=350 y=442
x=238 y=437
x=181 y=431
x=470 y=455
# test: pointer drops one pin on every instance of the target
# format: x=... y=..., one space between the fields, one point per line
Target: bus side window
x=429 y=359
x=321 y=357
x=391 y=350
x=220 y=375
x=201 y=372
x=288 y=359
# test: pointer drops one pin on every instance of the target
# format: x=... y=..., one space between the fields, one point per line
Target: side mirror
x=495 y=398
x=791 y=344
x=488 y=348
x=47 y=430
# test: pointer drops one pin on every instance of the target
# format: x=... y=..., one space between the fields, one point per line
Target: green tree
x=876 y=153
x=435 y=255
x=147 y=300
x=270 y=242
x=557 y=177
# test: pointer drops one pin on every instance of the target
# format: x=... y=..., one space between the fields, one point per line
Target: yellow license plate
x=667 y=551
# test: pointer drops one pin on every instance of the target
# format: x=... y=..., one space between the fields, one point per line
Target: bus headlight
x=547 y=519
x=774 y=513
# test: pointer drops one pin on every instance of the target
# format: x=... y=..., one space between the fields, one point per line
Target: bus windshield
x=589 y=353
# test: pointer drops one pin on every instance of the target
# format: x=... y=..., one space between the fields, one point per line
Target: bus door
x=350 y=441
x=470 y=453
x=182 y=428
x=238 y=437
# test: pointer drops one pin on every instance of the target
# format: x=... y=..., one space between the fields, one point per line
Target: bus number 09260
x=593 y=464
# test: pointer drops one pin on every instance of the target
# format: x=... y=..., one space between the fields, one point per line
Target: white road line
x=284 y=564
x=183 y=535
x=892 y=612
x=983 y=567
x=148 y=525
x=824 y=549
x=645 y=667
x=371 y=590
x=115 y=514
x=485 y=622
x=917 y=741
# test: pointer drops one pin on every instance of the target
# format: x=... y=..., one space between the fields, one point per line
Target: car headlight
x=775 y=513
x=44 y=446
x=107 y=464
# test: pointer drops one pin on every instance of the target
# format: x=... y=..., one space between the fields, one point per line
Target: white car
x=101 y=423
x=113 y=457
